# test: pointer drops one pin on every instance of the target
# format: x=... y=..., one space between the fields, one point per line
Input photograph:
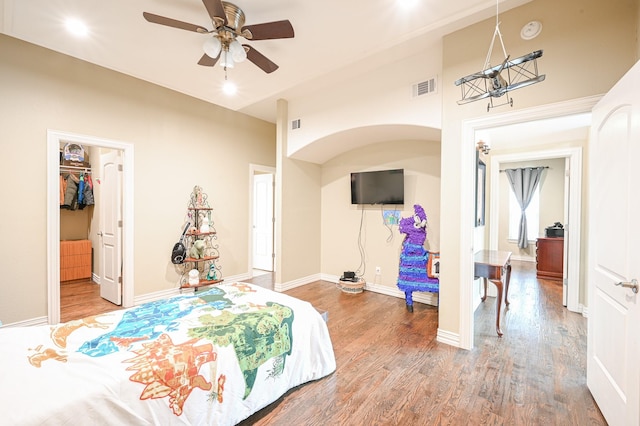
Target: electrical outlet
x=378 y=270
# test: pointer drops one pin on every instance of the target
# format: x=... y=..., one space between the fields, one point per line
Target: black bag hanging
x=179 y=251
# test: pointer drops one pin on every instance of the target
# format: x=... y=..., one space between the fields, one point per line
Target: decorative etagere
x=200 y=267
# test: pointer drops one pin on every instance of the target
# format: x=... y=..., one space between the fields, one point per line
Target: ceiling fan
x=228 y=24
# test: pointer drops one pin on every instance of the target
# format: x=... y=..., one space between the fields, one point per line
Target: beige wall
x=297 y=213
x=551 y=204
x=178 y=142
x=588 y=46
x=341 y=221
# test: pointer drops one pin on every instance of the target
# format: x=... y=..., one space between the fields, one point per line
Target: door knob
x=633 y=285
x=100 y=234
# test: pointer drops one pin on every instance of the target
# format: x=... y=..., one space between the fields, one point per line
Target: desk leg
x=484 y=280
x=507 y=279
x=498 y=284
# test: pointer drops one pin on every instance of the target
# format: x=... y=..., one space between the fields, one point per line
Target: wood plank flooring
x=392 y=371
x=81 y=298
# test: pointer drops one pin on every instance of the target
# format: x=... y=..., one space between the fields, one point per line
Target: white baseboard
x=419 y=296
x=448 y=338
x=156 y=295
x=27 y=323
x=163 y=294
x=585 y=311
x=95 y=278
x=530 y=259
x=296 y=283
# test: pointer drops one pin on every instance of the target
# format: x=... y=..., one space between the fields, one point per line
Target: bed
x=214 y=357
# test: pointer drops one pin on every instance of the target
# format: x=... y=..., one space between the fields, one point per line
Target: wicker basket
x=351 y=287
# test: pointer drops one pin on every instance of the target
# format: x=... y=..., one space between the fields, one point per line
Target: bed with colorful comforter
x=209 y=358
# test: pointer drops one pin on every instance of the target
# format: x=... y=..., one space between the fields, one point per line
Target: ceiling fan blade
x=208 y=61
x=260 y=60
x=157 y=19
x=216 y=11
x=268 y=30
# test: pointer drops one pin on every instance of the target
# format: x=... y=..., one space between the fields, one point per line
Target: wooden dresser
x=549 y=254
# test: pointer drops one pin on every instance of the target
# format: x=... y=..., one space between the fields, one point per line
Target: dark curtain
x=524 y=183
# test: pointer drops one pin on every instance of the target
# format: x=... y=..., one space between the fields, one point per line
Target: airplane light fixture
x=494 y=82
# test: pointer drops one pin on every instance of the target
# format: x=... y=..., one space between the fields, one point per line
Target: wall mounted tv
x=378 y=187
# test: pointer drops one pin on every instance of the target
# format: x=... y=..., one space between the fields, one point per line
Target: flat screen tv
x=378 y=187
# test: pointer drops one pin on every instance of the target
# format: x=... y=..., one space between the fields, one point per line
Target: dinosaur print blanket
x=213 y=357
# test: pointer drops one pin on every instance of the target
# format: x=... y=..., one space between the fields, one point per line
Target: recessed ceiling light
x=76 y=27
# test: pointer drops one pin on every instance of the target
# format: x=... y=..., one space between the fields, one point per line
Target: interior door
x=263 y=221
x=111 y=227
x=613 y=372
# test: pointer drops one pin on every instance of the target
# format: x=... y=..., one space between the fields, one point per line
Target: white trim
x=27 y=323
x=467 y=186
x=296 y=283
x=425 y=297
x=54 y=138
x=156 y=295
x=529 y=259
x=448 y=338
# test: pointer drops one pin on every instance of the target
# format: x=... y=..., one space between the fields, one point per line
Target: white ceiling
x=329 y=35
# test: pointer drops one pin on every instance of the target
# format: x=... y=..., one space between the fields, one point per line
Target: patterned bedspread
x=214 y=357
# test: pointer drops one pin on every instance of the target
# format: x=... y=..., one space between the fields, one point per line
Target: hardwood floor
x=392 y=371
x=81 y=298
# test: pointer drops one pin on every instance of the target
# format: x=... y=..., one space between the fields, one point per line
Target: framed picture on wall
x=481 y=177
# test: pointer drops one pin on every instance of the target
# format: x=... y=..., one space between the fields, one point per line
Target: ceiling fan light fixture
x=212 y=47
x=226 y=59
x=229 y=88
x=237 y=51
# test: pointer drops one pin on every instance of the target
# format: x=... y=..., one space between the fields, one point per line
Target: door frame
x=253 y=170
x=573 y=199
x=467 y=189
x=54 y=139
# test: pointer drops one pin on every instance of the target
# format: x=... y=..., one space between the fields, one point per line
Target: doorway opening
x=469 y=130
x=261 y=210
x=54 y=141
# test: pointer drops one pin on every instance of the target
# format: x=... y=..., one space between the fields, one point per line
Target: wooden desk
x=492 y=265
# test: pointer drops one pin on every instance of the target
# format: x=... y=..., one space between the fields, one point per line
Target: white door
x=263 y=221
x=111 y=227
x=613 y=352
x=567 y=235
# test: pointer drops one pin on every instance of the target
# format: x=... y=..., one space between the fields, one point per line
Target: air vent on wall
x=295 y=124
x=425 y=87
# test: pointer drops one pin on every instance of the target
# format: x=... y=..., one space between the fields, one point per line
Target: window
x=533 y=216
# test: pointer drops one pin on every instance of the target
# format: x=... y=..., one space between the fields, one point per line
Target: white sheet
x=121 y=368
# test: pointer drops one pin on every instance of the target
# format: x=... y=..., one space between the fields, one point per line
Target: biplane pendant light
x=491 y=83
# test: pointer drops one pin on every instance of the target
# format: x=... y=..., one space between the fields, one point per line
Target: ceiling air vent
x=425 y=87
x=295 y=124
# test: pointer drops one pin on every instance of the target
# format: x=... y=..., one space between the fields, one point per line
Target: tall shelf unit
x=201 y=232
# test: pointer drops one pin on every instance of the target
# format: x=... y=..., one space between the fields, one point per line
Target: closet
x=76 y=212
